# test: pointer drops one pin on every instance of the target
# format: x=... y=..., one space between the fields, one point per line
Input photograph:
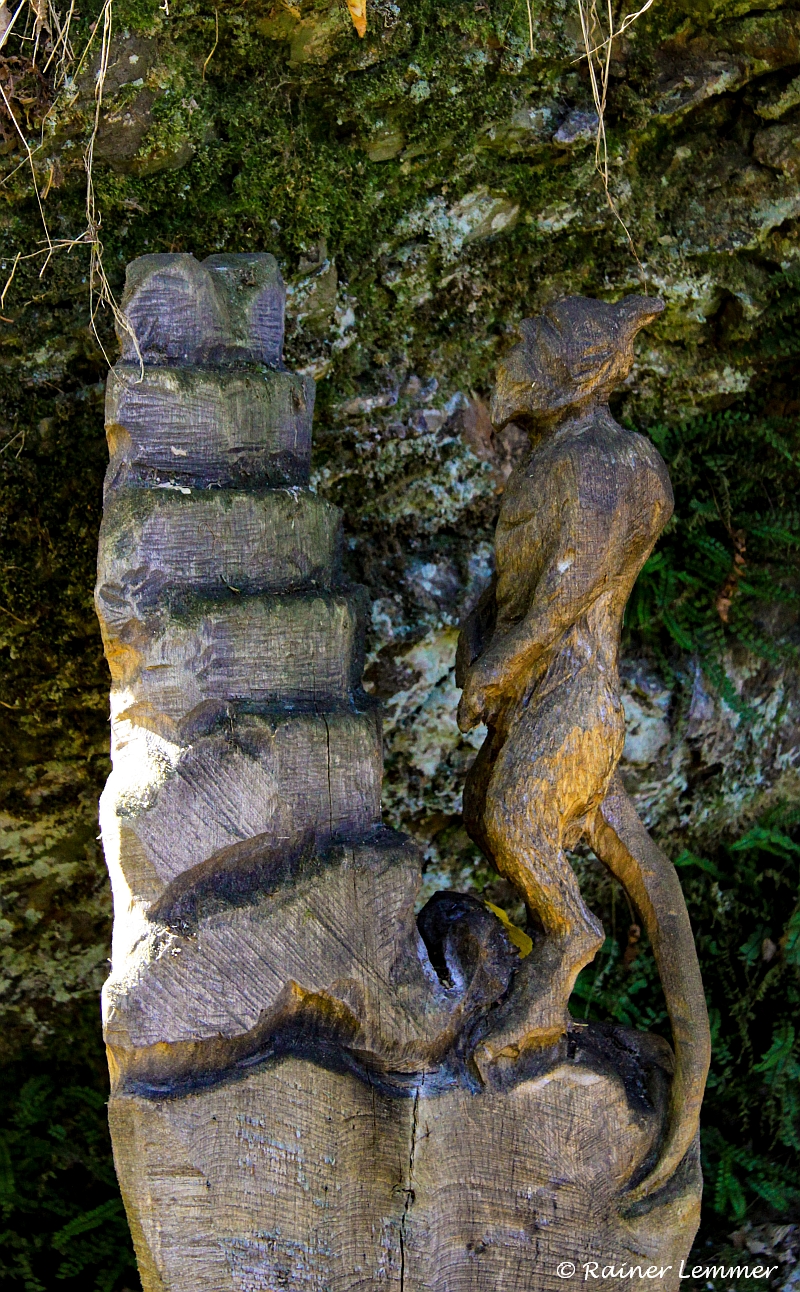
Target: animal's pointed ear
x=635 y=312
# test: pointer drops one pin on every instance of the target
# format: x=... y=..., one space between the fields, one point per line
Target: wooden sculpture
x=311 y=1087
x=539 y=664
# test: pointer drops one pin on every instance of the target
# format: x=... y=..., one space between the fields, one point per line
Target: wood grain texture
x=202 y=427
x=310 y=1179
x=228 y=309
x=254 y=294
x=261 y=942
x=312 y=1082
x=539 y=665
x=175 y=799
x=154 y=543
x=303 y=651
x=173 y=310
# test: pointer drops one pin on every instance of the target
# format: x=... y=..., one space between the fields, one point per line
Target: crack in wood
x=409 y=1190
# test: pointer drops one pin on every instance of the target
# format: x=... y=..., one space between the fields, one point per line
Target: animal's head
x=571 y=356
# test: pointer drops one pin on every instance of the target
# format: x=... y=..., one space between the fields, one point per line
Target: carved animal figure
x=538 y=661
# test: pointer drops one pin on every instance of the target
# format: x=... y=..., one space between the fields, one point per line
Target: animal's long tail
x=623 y=844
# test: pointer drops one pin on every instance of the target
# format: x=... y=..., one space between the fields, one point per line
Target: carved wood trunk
x=297 y=1097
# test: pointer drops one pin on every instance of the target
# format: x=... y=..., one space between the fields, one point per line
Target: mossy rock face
x=422 y=189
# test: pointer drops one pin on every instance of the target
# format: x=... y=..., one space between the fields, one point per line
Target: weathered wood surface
x=228 y=309
x=179 y=795
x=152 y=542
x=298 y=1177
x=303 y=650
x=308 y=1091
x=247 y=776
x=200 y=427
x=246 y=952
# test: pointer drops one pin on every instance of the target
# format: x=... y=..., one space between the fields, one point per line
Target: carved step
x=170 y=804
x=246 y=950
x=303 y=651
x=154 y=540
x=201 y=427
x=229 y=308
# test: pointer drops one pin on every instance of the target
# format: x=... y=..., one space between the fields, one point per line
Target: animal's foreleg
x=621 y=841
x=475 y=791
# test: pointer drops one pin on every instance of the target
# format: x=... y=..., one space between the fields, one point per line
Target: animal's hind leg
x=533 y=796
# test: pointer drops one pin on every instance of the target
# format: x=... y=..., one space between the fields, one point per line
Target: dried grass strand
x=29 y=157
x=100 y=293
x=598 y=57
x=216 y=42
x=10 y=27
x=62 y=41
x=530 y=24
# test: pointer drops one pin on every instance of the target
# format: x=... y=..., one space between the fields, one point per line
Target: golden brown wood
x=539 y=665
